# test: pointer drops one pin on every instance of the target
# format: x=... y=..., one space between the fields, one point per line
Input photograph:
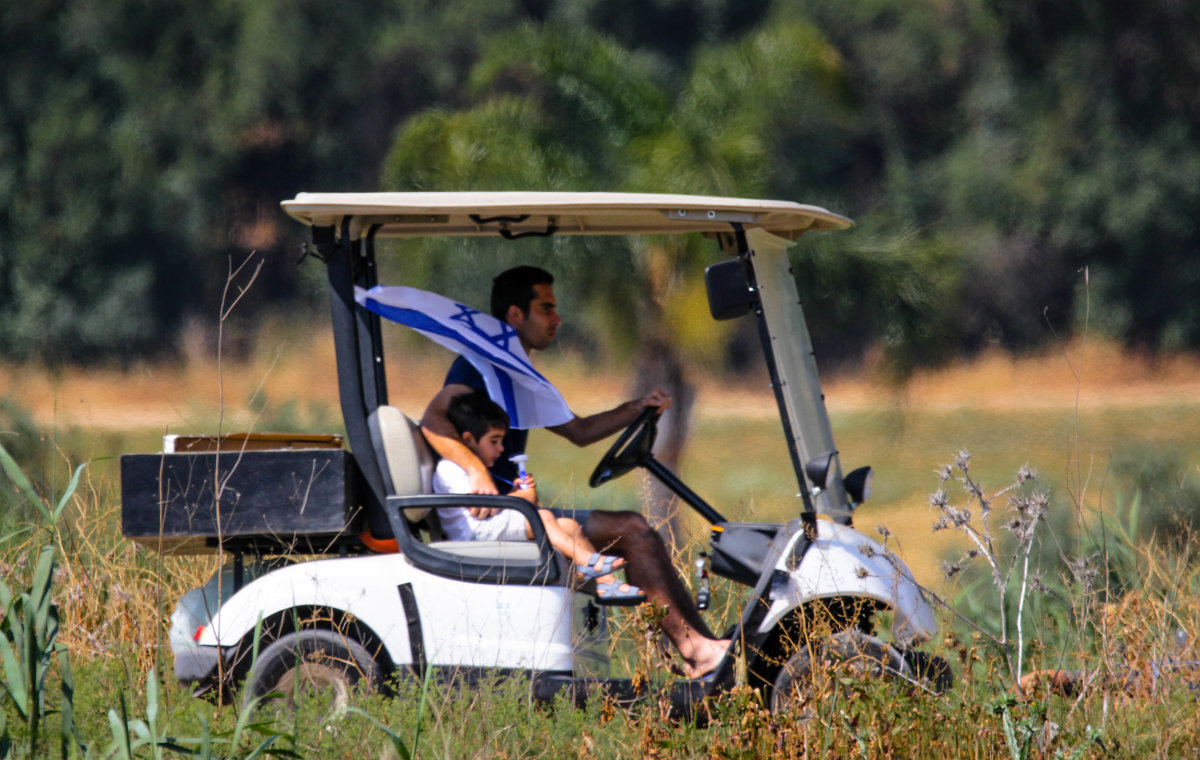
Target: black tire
x=932 y=671
x=851 y=653
x=313 y=661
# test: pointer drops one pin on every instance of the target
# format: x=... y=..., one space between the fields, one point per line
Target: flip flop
x=610 y=594
x=589 y=572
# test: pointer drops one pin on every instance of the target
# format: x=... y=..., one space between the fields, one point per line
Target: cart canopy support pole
x=358 y=391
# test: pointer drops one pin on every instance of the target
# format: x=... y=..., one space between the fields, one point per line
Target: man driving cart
x=523 y=297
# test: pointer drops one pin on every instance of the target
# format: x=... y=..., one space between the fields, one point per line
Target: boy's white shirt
x=457 y=521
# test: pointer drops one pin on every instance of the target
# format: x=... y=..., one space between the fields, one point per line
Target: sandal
x=607 y=564
x=610 y=594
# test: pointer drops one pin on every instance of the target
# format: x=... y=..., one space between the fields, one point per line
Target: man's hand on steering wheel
x=630 y=450
x=656 y=398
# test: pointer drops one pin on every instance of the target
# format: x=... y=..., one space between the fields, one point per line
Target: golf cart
x=300 y=514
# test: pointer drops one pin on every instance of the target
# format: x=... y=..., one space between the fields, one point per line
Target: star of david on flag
x=491 y=346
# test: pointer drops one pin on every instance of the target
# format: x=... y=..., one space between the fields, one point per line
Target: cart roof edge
x=519 y=213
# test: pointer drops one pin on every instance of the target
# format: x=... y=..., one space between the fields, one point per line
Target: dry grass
x=289 y=364
x=116 y=596
x=1065 y=412
x=1065 y=417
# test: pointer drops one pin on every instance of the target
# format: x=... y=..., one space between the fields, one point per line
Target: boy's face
x=488 y=447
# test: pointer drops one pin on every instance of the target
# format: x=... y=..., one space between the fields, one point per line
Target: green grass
x=114 y=600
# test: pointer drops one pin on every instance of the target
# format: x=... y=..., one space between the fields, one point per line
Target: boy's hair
x=514 y=287
x=476 y=414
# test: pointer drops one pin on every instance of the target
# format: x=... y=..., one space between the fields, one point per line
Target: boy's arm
x=443 y=439
x=526 y=488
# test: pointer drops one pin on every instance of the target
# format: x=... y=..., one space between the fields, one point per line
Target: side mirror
x=728 y=292
x=858 y=484
x=820 y=470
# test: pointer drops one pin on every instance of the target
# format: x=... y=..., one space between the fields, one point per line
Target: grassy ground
x=1070 y=415
x=1067 y=414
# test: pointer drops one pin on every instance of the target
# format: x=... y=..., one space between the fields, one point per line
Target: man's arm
x=443 y=438
x=583 y=431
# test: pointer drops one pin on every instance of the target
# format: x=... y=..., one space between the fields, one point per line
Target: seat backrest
x=409 y=471
x=408 y=460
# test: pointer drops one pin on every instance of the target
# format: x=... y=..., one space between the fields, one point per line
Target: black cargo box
x=276 y=500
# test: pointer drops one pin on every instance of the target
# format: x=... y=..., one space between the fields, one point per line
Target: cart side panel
x=277 y=500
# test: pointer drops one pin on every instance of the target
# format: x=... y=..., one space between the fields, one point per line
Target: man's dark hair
x=514 y=287
x=476 y=414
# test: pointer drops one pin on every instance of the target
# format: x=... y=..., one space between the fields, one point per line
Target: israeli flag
x=490 y=345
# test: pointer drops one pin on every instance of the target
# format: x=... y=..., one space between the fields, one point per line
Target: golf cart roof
x=516 y=214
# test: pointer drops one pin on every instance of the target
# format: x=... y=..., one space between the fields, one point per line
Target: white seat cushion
x=498 y=550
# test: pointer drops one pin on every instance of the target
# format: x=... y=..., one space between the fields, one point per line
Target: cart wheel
x=933 y=671
x=311 y=662
x=849 y=653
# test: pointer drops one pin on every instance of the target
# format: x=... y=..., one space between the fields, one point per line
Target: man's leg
x=648 y=566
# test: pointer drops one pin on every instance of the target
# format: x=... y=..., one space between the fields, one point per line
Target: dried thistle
x=1030 y=510
x=952 y=517
x=951 y=569
x=1085 y=572
x=961 y=461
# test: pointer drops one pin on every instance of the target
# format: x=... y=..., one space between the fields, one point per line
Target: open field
x=1069 y=418
x=1066 y=414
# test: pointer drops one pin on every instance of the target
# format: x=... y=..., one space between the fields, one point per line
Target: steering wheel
x=630 y=449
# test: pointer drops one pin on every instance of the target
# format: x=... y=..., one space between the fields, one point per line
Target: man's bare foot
x=705 y=657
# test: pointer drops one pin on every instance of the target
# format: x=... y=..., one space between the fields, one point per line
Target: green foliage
x=397 y=741
x=1165 y=489
x=28 y=649
x=558 y=109
x=29 y=629
x=138 y=140
x=142 y=144
x=23 y=444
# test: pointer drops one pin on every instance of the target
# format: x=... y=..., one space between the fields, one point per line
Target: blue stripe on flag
x=530 y=399
x=419 y=321
x=510 y=399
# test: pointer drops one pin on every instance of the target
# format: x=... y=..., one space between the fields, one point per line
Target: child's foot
x=598 y=566
x=610 y=591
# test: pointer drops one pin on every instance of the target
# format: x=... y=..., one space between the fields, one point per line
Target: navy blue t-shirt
x=503 y=471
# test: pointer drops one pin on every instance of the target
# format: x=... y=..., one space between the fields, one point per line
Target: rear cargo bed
x=272 y=500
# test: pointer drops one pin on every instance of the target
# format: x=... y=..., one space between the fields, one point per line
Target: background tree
x=554 y=108
x=991 y=150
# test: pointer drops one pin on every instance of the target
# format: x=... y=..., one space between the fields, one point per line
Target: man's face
x=536 y=330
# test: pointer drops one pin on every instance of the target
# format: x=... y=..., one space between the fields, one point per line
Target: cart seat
x=409 y=471
x=503 y=550
x=410 y=462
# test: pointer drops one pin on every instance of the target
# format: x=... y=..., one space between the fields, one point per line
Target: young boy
x=481 y=424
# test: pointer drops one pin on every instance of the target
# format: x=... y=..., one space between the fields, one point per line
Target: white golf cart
x=470 y=607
